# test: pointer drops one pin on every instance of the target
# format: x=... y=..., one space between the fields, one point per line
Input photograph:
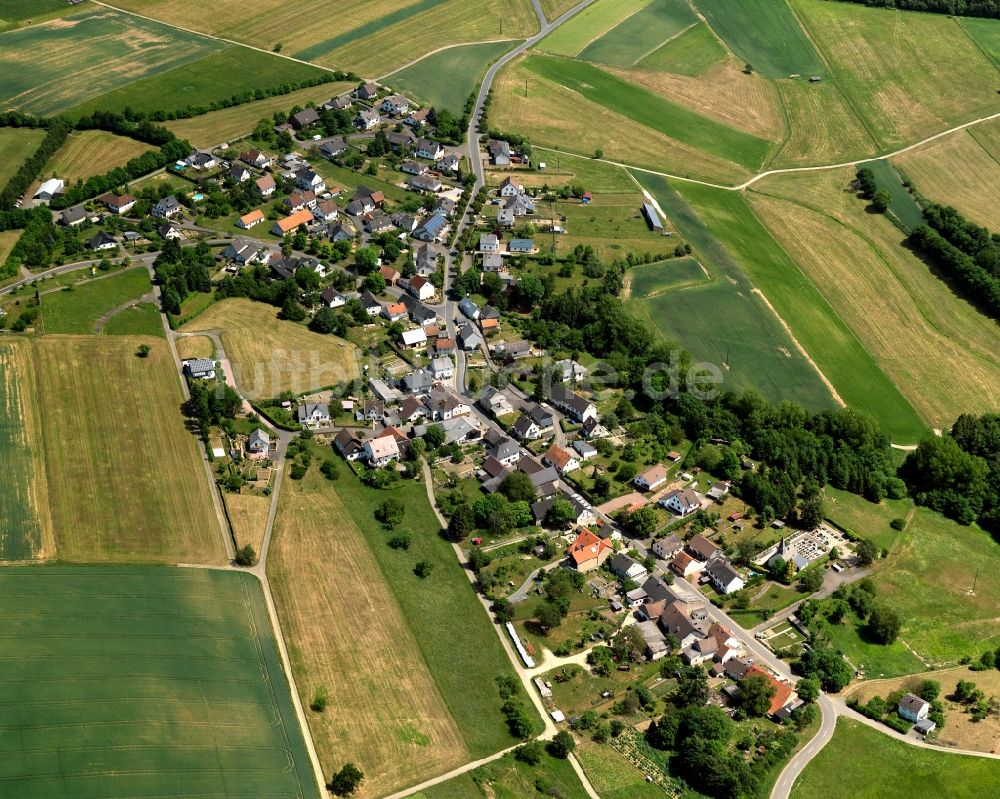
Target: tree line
x=55 y=136
x=961 y=8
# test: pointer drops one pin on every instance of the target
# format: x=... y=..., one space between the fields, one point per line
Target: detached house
x=429 y=149
x=421 y=288
x=166 y=207
x=313 y=414
x=304 y=118
x=499 y=151
x=588 y=551
x=256 y=158
x=381 y=451
x=724 y=577
x=510 y=187
x=366 y=119
x=395 y=104
x=258 y=445
x=652 y=478
x=628 y=568
x=308 y=180
x=682 y=502
x=117 y=204
x=561 y=459
x=265 y=186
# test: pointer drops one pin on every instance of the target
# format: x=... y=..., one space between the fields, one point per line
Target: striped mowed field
x=144 y=681
x=123 y=475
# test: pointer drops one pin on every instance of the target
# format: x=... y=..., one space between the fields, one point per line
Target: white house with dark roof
x=313 y=414
x=724 y=577
x=682 y=502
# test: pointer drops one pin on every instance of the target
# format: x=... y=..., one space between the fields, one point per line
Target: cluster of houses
x=701 y=641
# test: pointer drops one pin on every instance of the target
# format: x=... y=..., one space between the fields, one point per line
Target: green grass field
x=509 y=778
x=16 y=144
x=865 y=518
x=87 y=55
x=454 y=633
x=837 y=351
x=928 y=577
x=862 y=763
x=78 y=310
x=217 y=76
x=142 y=320
x=765 y=34
x=590 y=24
x=21 y=531
x=652 y=111
x=725 y=321
x=691 y=53
x=640 y=34
x=464 y=67
x=903 y=210
x=144 y=681
x=985 y=33
x=649 y=280
x=16 y=10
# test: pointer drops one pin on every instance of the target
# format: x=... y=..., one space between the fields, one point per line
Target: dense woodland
x=958 y=474
x=962 y=8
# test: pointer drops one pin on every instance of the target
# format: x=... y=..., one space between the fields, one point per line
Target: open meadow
x=641 y=33
x=144 y=681
x=928 y=577
x=652 y=111
x=612 y=776
x=16 y=144
x=271 y=356
x=765 y=34
x=868 y=519
x=749 y=103
x=217 y=76
x=690 y=52
x=248 y=514
x=135 y=319
x=554 y=115
x=650 y=280
x=77 y=309
x=862 y=763
x=589 y=25
x=92 y=152
x=339 y=617
x=25 y=525
x=957 y=170
x=195 y=347
x=87 y=55
x=23 y=10
x=918 y=331
x=899 y=69
x=464 y=67
x=230 y=123
x=822 y=126
x=124 y=479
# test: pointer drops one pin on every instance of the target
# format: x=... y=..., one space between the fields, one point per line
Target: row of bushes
x=242 y=98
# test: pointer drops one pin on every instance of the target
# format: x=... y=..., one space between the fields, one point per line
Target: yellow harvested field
x=93 y=152
x=555 y=116
x=908 y=75
x=125 y=479
x=554 y=9
x=248 y=513
x=394 y=46
x=988 y=135
x=747 y=102
x=920 y=333
x=25 y=520
x=195 y=347
x=822 y=128
x=959 y=730
x=957 y=170
x=271 y=356
x=339 y=618
x=230 y=123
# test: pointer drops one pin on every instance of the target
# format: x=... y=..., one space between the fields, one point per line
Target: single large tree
x=346 y=781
